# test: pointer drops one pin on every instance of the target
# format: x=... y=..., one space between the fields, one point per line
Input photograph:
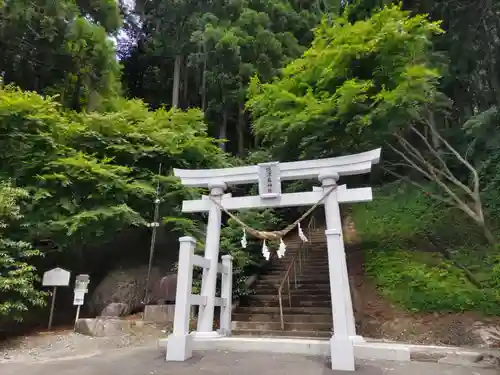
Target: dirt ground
x=63 y=342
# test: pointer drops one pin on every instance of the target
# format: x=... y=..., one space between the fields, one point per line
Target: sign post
x=81 y=283
x=54 y=278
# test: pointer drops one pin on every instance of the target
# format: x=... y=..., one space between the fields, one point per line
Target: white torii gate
x=269 y=177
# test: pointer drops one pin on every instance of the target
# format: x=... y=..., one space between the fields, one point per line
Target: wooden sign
x=56 y=277
x=269 y=180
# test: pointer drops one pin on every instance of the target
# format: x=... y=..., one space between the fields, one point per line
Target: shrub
x=405 y=232
x=426 y=282
x=17 y=278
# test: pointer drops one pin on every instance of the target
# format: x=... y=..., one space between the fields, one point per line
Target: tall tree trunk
x=185 y=82
x=223 y=129
x=204 y=81
x=240 y=129
x=75 y=100
x=256 y=141
x=177 y=81
x=198 y=78
x=434 y=137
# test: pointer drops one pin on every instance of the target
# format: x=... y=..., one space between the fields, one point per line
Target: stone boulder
x=115 y=309
x=164 y=290
x=109 y=327
x=124 y=286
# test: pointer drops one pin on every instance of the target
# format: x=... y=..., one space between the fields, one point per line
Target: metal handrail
x=299 y=257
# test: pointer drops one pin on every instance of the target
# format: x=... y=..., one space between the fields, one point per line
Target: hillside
x=407 y=288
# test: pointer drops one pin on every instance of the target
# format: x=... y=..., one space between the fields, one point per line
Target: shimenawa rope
x=275 y=235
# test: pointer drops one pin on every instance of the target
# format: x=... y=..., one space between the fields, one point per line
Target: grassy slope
x=402 y=232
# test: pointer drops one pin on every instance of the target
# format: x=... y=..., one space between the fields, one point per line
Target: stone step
x=278 y=277
x=316 y=260
x=276 y=326
x=303 y=334
x=271 y=288
x=320 y=262
x=301 y=318
x=319 y=285
x=303 y=279
x=296 y=298
x=286 y=310
x=326 y=302
x=311 y=270
x=314 y=240
x=298 y=292
x=303 y=293
x=286 y=261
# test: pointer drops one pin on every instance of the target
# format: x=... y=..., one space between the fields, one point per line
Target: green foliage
x=356 y=85
x=61 y=48
x=427 y=282
x=91 y=175
x=404 y=231
x=249 y=260
x=18 y=278
x=221 y=45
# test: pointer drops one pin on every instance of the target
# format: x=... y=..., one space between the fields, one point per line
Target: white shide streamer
x=281 y=250
x=265 y=250
x=301 y=234
x=244 y=239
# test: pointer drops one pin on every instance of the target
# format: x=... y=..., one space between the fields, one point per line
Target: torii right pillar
x=344 y=327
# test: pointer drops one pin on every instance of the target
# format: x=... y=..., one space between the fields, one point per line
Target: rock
x=164 y=289
x=126 y=286
x=115 y=309
x=471 y=360
x=160 y=314
x=102 y=327
x=488 y=360
x=489 y=335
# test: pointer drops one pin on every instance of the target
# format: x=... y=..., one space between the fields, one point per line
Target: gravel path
x=47 y=346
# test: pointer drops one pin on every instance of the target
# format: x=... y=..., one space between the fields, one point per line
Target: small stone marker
x=54 y=278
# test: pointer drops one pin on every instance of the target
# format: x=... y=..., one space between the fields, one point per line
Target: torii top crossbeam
x=308 y=169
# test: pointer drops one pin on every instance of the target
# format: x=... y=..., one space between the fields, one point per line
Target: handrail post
x=289 y=296
x=179 y=343
x=282 y=318
x=227 y=294
x=302 y=252
x=295 y=275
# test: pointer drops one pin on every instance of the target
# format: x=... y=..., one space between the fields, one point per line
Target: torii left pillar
x=205 y=328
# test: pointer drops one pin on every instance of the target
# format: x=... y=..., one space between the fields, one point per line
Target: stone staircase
x=310 y=314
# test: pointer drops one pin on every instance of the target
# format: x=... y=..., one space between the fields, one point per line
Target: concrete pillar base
x=357 y=339
x=179 y=347
x=342 y=354
x=206 y=335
